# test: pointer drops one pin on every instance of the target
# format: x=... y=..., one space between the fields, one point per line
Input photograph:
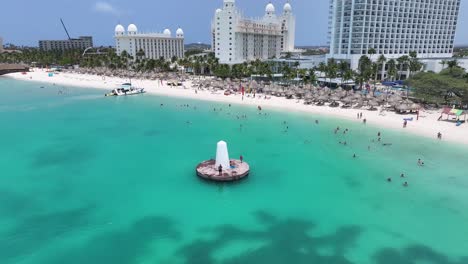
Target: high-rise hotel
x=392 y=27
x=151 y=45
x=236 y=39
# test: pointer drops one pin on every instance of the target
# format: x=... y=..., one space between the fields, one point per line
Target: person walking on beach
x=439 y=136
x=364 y=121
x=405 y=124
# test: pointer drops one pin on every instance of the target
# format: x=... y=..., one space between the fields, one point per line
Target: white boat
x=126 y=89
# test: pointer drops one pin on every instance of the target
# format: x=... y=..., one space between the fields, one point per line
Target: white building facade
x=80 y=43
x=153 y=45
x=236 y=39
x=393 y=28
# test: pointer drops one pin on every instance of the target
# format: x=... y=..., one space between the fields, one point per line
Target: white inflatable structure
x=222 y=155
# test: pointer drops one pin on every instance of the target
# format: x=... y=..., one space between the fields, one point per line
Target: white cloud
x=104 y=7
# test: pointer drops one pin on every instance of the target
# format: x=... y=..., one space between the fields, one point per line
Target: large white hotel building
x=154 y=45
x=392 y=27
x=236 y=39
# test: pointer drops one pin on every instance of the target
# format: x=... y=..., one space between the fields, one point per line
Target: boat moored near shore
x=126 y=89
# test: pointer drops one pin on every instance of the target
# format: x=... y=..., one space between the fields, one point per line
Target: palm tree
x=331 y=69
x=347 y=75
x=365 y=69
x=414 y=64
x=381 y=62
x=443 y=63
x=402 y=62
x=392 y=69
x=371 y=53
x=312 y=76
x=452 y=64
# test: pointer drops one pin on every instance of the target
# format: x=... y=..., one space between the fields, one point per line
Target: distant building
x=301 y=62
x=1 y=44
x=392 y=28
x=236 y=39
x=150 y=45
x=80 y=43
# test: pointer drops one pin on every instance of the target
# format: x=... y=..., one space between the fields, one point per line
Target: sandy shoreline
x=426 y=126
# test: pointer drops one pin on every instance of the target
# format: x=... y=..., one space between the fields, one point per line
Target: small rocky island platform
x=237 y=171
x=223 y=169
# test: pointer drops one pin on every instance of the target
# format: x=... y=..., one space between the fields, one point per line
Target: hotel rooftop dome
x=119 y=28
x=132 y=29
x=270 y=8
x=287 y=7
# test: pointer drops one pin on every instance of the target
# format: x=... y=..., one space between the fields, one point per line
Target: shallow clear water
x=89 y=179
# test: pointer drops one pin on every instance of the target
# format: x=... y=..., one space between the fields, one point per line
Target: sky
x=27 y=21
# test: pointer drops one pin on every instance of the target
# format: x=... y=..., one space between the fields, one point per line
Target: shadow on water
x=59 y=155
x=121 y=246
x=289 y=242
x=283 y=241
x=37 y=230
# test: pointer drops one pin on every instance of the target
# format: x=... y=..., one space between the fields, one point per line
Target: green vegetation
x=36 y=56
x=447 y=87
x=191 y=52
x=310 y=52
x=460 y=52
x=451 y=85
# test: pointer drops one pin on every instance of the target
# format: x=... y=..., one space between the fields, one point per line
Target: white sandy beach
x=426 y=126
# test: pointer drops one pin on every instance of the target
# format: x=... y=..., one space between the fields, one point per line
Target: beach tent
x=454 y=112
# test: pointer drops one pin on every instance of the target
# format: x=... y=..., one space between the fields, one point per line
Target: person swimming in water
x=354 y=156
x=389 y=179
x=402 y=175
x=420 y=162
x=405 y=184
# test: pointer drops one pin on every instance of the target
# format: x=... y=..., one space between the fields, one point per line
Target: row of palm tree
x=207 y=64
x=369 y=68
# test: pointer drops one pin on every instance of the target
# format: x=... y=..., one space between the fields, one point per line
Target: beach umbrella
x=335 y=98
x=402 y=107
x=323 y=98
x=347 y=100
x=373 y=103
x=414 y=106
x=254 y=84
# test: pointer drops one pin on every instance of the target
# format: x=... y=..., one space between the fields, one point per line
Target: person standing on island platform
x=241 y=158
x=220 y=169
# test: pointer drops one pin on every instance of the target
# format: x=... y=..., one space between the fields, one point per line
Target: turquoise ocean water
x=89 y=179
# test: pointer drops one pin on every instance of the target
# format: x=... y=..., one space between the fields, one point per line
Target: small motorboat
x=126 y=89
